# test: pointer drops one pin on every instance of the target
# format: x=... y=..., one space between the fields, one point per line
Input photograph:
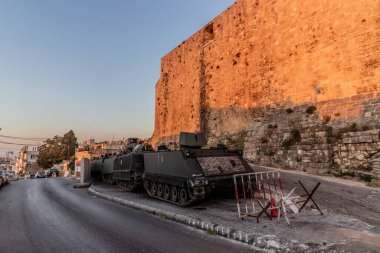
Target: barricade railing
x=262 y=193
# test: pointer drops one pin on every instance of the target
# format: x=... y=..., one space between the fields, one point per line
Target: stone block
x=360 y=157
x=376 y=138
x=365 y=138
x=321 y=134
x=347 y=140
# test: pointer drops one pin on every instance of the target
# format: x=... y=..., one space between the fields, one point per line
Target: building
x=91 y=149
x=27 y=159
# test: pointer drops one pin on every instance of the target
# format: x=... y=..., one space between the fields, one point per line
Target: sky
x=88 y=65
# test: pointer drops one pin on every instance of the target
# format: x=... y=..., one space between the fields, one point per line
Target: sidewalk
x=310 y=232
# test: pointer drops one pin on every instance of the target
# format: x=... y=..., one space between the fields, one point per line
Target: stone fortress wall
x=294 y=82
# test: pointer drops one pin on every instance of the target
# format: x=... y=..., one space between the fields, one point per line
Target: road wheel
x=129 y=185
x=174 y=194
x=146 y=184
x=160 y=190
x=183 y=196
x=153 y=188
x=166 y=192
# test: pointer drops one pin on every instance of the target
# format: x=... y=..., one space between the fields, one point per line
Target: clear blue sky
x=88 y=65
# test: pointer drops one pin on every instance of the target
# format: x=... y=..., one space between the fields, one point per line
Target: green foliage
x=339 y=135
x=347 y=173
x=363 y=167
x=57 y=149
x=366 y=178
x=312 y=245
x=311 y=109
x=329 y=131
x=70 y=141
x=286 y=144
x=240 y=144
x=366 y=128
x=371 y=154
x=72 y=163
x=295 y=137
x=289 y=111
x=360 y=167
x=351 y=128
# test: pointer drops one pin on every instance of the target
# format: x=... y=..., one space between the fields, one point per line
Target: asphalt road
x=48 y=215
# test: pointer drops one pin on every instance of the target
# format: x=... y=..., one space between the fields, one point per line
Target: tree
x=57 y=149
x=71 y=143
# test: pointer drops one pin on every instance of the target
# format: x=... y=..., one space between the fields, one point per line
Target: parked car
x=51 y=173
x=4 y=178
x=40 y=174
x=32 y=176
x=11 y=175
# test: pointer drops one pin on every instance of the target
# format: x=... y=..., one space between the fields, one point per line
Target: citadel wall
x=258 y=57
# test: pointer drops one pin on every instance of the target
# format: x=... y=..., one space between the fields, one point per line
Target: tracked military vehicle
x=107 y=170
x=184 y=176
x=96 y=166
x=105 y=165
x=129 y=168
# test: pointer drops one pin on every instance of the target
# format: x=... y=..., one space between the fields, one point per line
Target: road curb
x=209 y=227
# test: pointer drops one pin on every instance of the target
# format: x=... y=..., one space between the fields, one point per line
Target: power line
x=23 y=138
x=7 y=148
x=20 y=144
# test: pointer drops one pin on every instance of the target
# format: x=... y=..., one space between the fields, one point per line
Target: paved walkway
x=341 y=228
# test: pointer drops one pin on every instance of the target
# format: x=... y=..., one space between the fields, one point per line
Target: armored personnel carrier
x=185 y=175
x=129 y=168
x=96 y=166
x=105 y=165
x=107 y=169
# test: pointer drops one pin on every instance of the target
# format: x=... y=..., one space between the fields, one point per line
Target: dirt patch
x=365 y=236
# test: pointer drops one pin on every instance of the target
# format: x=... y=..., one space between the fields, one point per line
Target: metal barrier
x=262 y=193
